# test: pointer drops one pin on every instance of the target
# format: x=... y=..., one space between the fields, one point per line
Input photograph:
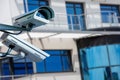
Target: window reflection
x=116 y=73
x=114 y=51
x=101 y=62
x=96 y=74
x=96 y=56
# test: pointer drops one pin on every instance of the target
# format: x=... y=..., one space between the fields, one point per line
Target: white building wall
x=12 y=8
x=5 y=13
x=93 y=15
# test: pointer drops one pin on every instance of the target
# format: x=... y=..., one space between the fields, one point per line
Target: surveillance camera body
x=35 y=18
x=31 y=52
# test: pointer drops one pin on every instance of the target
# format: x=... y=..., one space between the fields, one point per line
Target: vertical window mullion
x=62 y=60
x=70 y=61
x=45 y=68
x=26 y=66
x=109 y=59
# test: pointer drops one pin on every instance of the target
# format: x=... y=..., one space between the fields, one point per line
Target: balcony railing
x=39 y=77
x=83 y=22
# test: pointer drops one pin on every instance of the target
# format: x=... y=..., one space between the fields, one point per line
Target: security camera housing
x=31 y=52
x=38 y=17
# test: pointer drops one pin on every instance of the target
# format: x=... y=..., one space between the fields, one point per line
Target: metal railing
x=32 y=77
x=83 y=21
x=18 y=77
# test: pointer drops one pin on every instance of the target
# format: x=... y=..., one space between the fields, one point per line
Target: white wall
x=93 y=16
x=5 y=12
x=12 y=8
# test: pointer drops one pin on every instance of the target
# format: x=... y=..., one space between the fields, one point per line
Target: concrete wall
x=12 y=8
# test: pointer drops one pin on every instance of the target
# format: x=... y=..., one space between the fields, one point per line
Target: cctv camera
x=19 y=45
x=38 y=17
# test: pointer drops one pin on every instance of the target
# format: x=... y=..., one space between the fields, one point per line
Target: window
x=15 y=66
x=22 y=66
x=59 y=61
x=34 y=4
x=75 y=18
x=101 y=62
x=110 y=13
x=5 y=68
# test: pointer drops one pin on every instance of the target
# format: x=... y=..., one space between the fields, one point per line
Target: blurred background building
x=83 y=40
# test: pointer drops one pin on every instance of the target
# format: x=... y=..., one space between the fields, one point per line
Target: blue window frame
x=75 y=18
x=5 y=69
x=34 y=4
x=23 y=66
x=59 y=61
x=101 y=62
x=17 y=67
x=109 y=13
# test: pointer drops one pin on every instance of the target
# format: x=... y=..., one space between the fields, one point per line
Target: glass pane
x=32 y=7
x=99 y=74
x=5 y=68
x=43 y=3
x=105 y=7
x=19 y=68
x=70 y=11
x=115 y=7
x=78 y=5
x=65 y=52
x=69 y=21
x=66 y=63
x=53 y=52
x=33 y=1
x=76 y=25
x=82 y=23
x=34 y=4
x=40 y=66
x=29 y=68
x=84 y=62
x=19 y=71
x=69 y=5
x=116 y=73
x=19 y=65
x=105 y=17
x=95 y=56
x=79 y=11
x=114 y=51
x=53 y=64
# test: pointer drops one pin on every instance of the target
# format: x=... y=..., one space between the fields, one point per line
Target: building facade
x=94 y=55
